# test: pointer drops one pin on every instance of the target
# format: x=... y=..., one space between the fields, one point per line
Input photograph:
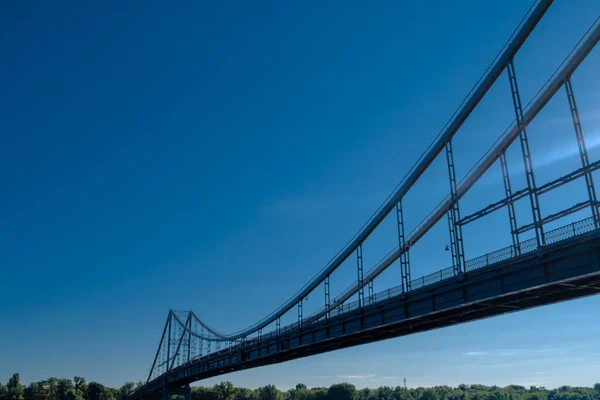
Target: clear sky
x=214 y=156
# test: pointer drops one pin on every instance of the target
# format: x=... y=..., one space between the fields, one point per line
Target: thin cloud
x=477 y=353
x=355 y=377
x=369 y=378
x=497 y=352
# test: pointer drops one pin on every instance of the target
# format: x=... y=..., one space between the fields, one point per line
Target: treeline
x=79 y=389
x=63 y=389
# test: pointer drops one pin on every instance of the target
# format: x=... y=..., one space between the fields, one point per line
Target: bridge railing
x=569 y=231
x=527 y=246
x=553 y=236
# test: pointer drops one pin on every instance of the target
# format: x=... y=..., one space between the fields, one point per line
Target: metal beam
x=545 y=188
x=405 y=257
x=558 y=215
x=583 y=155
x=526 y=153
x=327 y=296
x=162 y=338
x=169 y=341
x=360 y=281
x=456 y=240
x=189 y=343
x=512 y=216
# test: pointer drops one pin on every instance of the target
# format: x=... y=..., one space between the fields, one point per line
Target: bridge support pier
x=169 y=390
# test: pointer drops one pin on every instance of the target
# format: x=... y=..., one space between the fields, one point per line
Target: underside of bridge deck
x=567 y=270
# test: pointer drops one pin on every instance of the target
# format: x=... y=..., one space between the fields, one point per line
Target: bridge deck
x=565 y=270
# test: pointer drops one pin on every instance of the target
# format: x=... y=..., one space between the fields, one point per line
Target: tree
x=244 y=394
x=318 y=393
x=35 y=391
x=3 y=392
x=74 y=394
x=301 y=392
x=79 y=382
x=224 y=390
x=62 y=387
x=203 y=393
x=341 y=391
x=95 y=391
x=429 y=394
x=14 y=389
x=385 y=393
x=126 y=390
x=81 y=387
x=364 y=394
x=52 y=382
x=269 y=392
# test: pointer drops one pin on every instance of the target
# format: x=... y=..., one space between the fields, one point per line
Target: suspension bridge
x=554 y=265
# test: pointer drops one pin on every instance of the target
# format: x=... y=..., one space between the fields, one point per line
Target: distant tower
x=404 y=383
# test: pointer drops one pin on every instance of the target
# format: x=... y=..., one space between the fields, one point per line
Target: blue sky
x=215 y=156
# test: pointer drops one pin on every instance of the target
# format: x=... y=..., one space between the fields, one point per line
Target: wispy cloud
x=356 y=376
x=559 y=150
x=369 y=378
x=496 y=352
x=589 y=116
x=477 y=353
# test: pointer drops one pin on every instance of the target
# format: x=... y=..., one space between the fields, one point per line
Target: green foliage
x=74 y=394
x=35 y=391
x=245 y=394
x=224 y=391
x=269 y=392
x=14 y=389
x=301 y=392
x=78 y=389
x=126 y=390
x=341 y=391
x=430 y=394
x=109 y=394
x=62 y=388
x=95 y=391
